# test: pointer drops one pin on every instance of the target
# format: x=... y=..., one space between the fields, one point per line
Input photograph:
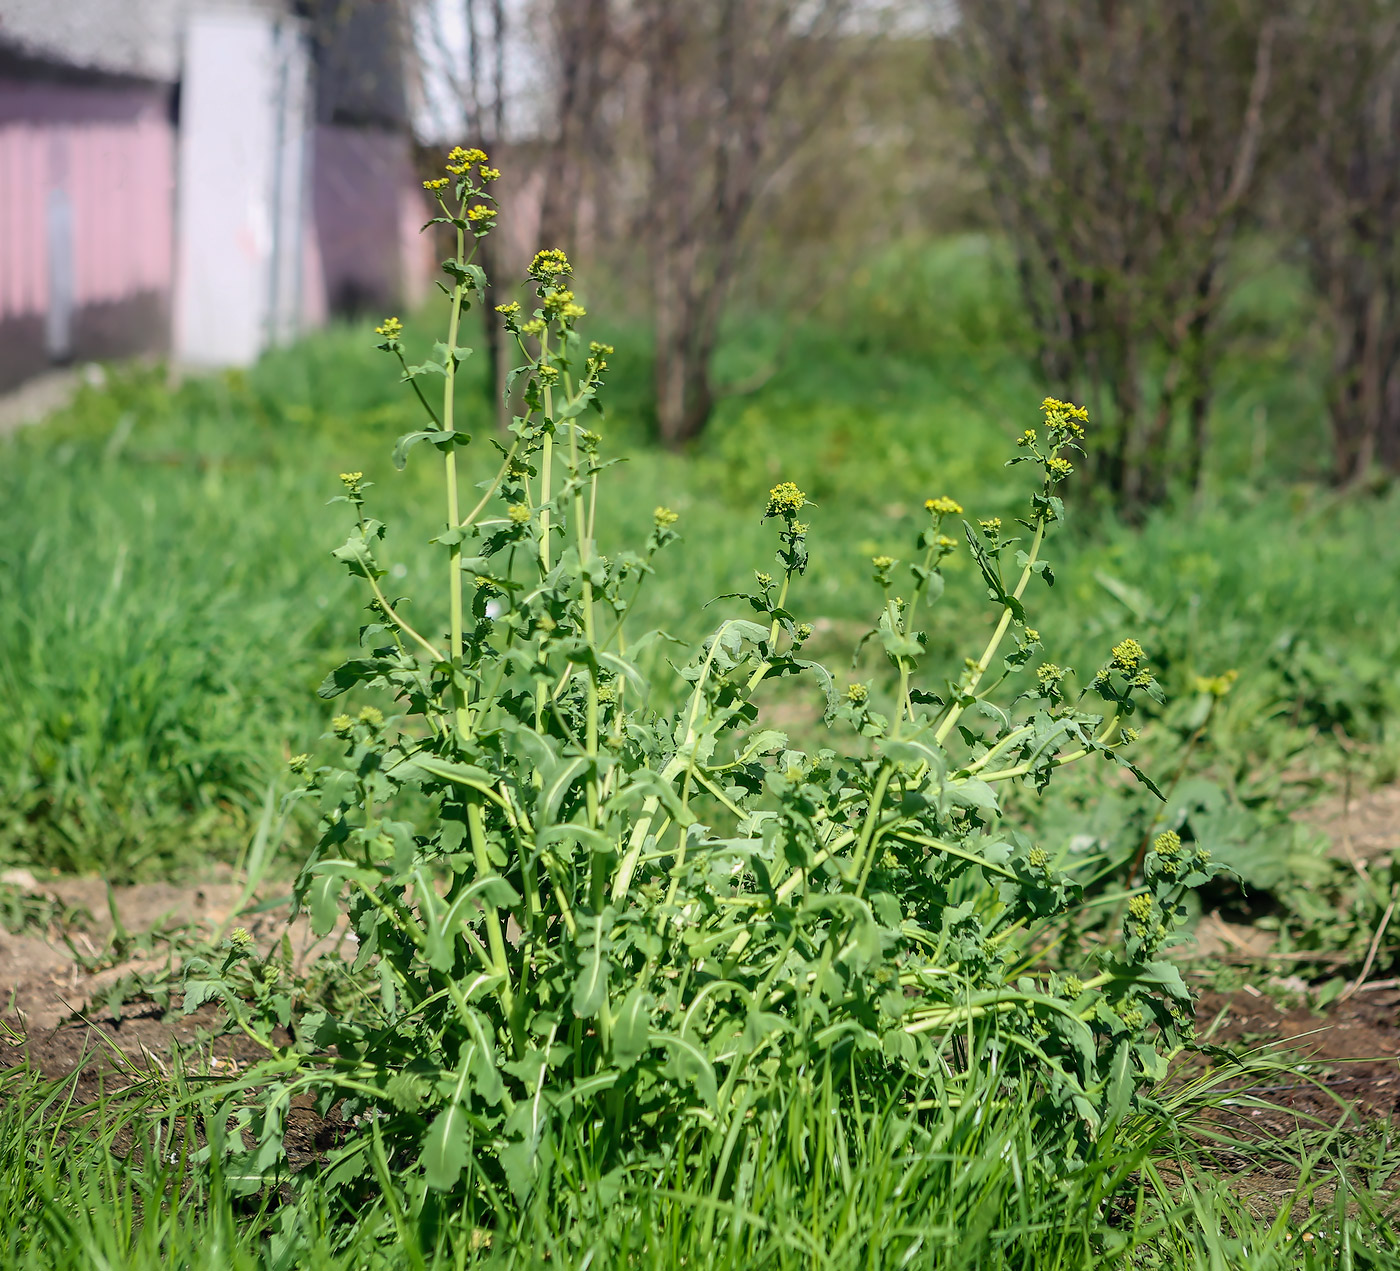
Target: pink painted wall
x=112 y=151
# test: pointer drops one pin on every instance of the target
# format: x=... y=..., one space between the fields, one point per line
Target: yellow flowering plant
x=581 y=915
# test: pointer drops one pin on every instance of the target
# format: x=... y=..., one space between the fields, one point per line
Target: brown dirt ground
x=52 y=1008
x=54 y=985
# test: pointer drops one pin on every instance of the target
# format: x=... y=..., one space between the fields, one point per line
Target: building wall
x=86 y=185
x=369 y=208
x=242 y=206
x=285 y=191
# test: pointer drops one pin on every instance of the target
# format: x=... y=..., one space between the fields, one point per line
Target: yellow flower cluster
x=856 y=694
x=1216 y=685
x=785 y=500
x=1059 y=468
x=489 y=174
x=352 y=479
x=390 y=329
x=1128 y=655
x=459 y=160
x=1065 y=415
x=519 y=513
x=438 y=183
x=372 y=716
x=665 y=518
x=549 y=264
x=560 y=303
x=509 y=310
x=943 y=506
x=481 y=212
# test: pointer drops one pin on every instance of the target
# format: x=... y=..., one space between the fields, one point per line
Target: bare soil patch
x=1363 y=825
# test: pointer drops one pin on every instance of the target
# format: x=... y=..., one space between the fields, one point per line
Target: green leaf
x=1120 y=1084
x=445 y=1148
x=479 y=1058
x=445 y=769
x=411 y=439
x=407 y=1090
x=689 y=1063
x=460 y=353
x=356 y=555
x=591 y=987
x=348 y=674
x=630 y=1035
x=625 y=668
x=594 y=840
x=556 y=786
x=323 y=896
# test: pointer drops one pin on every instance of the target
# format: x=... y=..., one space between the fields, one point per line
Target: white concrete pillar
x=241 y=206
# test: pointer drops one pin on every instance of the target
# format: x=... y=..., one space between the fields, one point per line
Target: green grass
x=125 y=1181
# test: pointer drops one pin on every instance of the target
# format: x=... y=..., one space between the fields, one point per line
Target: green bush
x=591 y=921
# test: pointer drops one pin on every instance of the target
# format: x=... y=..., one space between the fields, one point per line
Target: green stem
x=864 y=854
x=454 y=582
x=980 y=669
x=495 y=938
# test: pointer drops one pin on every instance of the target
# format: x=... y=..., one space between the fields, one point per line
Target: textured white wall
x=242 y=207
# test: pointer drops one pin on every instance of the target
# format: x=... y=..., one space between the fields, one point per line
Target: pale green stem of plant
x=413 y=380
x=460 y=1001
x=1000 y=748
x=905 y=707
x=391 y=613
x=765 y=666
x=1020 y=770
x=546 y=470
x=678 y=763
x=454 y=582
x=470 y=519
x=927 y=1019
x=865 y=853
x=585 y=556
x=937 y=845
x=476 y=826
x=994 y=643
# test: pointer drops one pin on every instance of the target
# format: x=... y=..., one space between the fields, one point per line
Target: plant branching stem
x=980 y=669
